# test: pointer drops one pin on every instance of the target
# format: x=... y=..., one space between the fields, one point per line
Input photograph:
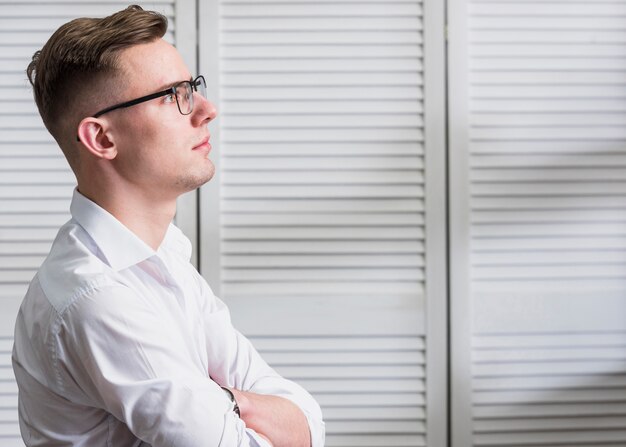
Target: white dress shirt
x=118 y=345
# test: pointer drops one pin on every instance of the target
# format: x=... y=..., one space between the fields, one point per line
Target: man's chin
x=192 y=182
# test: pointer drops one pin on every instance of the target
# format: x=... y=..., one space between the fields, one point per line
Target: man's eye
x=170 y=97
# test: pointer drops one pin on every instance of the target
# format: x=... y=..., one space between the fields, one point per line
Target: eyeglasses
x=183 y=92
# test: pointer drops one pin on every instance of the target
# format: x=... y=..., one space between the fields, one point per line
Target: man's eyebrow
x=169 y=85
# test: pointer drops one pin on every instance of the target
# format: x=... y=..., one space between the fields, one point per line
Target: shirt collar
x=120 y=246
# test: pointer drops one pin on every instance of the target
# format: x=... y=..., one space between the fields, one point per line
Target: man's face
x=160 y=151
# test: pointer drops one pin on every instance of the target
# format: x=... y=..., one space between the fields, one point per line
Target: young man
x=119 y=341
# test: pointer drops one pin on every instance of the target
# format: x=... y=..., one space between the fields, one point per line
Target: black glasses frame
x=172 y=90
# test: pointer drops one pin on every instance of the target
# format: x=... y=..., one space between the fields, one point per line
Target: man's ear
x=95 y=136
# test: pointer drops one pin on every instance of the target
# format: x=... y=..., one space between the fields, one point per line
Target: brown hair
x=81 y=55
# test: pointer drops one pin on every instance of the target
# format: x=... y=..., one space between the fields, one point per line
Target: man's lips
x=203 y=144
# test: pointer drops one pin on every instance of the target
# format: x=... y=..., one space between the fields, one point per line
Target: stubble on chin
x=193 y=180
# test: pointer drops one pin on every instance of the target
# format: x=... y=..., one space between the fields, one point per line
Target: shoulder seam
x=80 y=292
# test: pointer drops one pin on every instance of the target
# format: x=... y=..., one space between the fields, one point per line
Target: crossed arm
x=276 y=419
x=152 y=380
x=277 y=409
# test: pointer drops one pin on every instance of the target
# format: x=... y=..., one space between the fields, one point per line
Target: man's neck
x=146 y=216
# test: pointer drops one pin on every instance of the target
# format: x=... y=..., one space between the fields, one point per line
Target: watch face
x=231 y=396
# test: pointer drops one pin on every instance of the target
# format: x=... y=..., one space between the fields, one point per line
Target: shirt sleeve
x=234 y=362
x=114 y=347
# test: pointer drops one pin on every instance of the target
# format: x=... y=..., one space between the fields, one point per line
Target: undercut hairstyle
x=81 y=56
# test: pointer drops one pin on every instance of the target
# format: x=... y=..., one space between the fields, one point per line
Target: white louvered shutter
x=35 y=182
x=324 y=136
x=543 y=157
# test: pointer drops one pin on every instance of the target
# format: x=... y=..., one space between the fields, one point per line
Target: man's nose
x=204 y=110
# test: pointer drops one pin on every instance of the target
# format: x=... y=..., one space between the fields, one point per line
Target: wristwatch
x=231 y=396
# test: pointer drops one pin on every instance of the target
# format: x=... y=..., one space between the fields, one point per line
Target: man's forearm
x=276 y=418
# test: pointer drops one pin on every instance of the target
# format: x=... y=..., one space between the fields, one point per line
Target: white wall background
x=326 y=227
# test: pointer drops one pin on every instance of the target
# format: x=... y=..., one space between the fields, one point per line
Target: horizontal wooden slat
x=36 y=191
x=379 y=427
x=547 y=92
x=338 y=247
x=552 y=133
x=12 y=441
x=535 y=355
x=35 y=220
x=539 y=105
x=565 y=437
x=377 y=440
x=321 y=65
x=312 y=233
x=302 y=275
x=7 y=386
x=551 y=9
x=37 y=136
x=51 y=163
x=413 y=261
x=379 y=413
x=318 y=106
x=355 y=372
x=65 y=178
x=389 y=135
x=549 y=368
x=323 y=288
x=548 y=175
x=515 y=412
x=26 y=106
x=548 y=36
x=333 y=343
x=537 y=203
x=35 y=205
x=550 y=215
x=531 y=50
x=541 y=259
x=328 y=24
x=50 y=24
x=569 y=396
x=557 y=384
x=338 y=163
x=322 y=206
x=542 y=425
x=541 y=22
x=323 y=359
x=382 y=36
x=323 y=93
x=568 y=340
x=323 y=148
x=379 y=9
x=325 y=51
x=560 y=243
x=293 y=192
x=16 y=276
x=556 y=230
x=315 y=121
x=78 y=9
x=320 y=219
x=356 y=400
x=543 y=78
x=54 y=3
x=8 y=414
x=364 y=386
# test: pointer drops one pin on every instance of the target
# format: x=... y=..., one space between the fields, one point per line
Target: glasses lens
x=201 y=86
x=184 y=94
x=184 y=97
